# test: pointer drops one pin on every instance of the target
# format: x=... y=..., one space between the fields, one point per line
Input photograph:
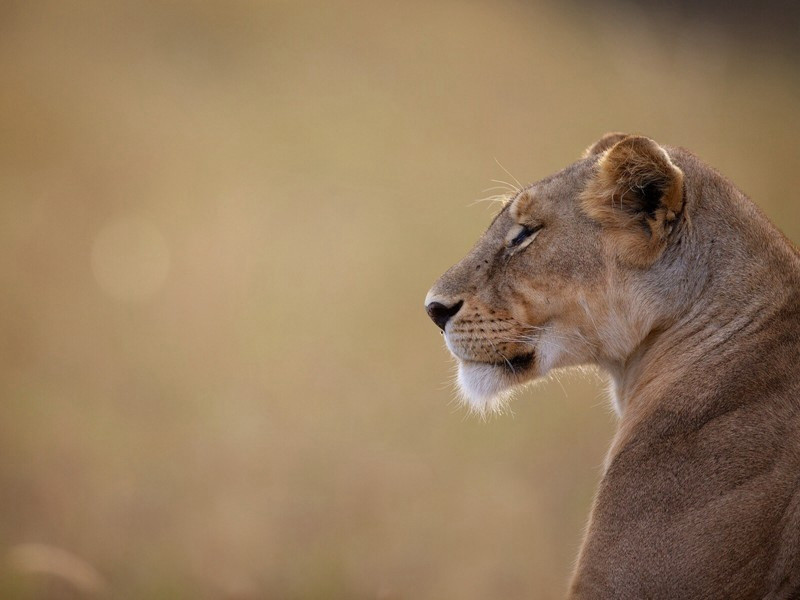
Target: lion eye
x=522 y=234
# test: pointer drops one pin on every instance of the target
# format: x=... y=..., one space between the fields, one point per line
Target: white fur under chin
x=484 y=388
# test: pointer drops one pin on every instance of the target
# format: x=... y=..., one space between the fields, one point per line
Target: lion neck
x=730 y=274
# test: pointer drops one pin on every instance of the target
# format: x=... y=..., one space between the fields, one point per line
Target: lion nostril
x=441 y=314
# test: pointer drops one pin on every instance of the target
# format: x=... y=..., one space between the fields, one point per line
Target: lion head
x=568 y=273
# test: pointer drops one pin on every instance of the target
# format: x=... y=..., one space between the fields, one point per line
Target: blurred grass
x=274 y=419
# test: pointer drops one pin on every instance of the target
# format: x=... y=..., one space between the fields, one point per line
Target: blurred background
x=218 y=222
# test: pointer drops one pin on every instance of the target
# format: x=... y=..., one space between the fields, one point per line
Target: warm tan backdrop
x=218 y=222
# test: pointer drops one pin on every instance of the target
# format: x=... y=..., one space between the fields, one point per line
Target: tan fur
x=653 y=266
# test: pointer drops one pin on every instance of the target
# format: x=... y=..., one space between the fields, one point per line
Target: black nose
x=441 y=314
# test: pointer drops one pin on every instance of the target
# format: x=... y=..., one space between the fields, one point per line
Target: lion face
x=557 y=278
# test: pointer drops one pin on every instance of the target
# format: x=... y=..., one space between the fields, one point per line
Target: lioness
x=641 y=259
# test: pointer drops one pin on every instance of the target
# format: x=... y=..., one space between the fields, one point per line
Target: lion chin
x=488 y=388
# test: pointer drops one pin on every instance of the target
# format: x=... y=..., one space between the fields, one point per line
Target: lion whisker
x=509 y=174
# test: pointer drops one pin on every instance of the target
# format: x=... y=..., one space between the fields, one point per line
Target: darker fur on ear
x=604 y=143
x=637 y=193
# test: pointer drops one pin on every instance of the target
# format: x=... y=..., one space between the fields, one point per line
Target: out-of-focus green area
x=218 y=222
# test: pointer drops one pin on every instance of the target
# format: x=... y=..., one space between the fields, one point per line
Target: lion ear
x=604 y=143
x=636 y=193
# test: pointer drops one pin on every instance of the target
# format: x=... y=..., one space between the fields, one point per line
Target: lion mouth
x=521 y=362
x=514 y=364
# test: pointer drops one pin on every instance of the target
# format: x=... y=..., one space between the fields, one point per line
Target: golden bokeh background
x=217 y=226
